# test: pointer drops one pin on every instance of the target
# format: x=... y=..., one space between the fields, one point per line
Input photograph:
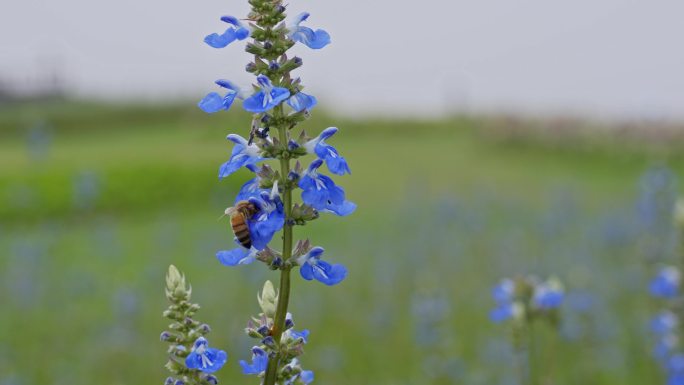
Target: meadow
x=97 y=200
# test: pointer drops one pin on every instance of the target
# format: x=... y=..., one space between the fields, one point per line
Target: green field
x=96 y=201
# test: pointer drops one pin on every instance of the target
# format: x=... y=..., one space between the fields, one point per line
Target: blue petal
x=304 y=335
x=336 y=164
x=302 y=101
x=255 y=103
x=501 y=313
x=259 y=363
x=307 y=376
x=278 y=95
x=221 y=41
x=232 y=165
x=211 y=103
x=306 y=271
x=329 y=274
x=312 y=39
x=249 y=190
x=344 y=209
x=237 y=256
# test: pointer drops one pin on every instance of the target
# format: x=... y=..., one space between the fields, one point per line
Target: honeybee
x=238 y=221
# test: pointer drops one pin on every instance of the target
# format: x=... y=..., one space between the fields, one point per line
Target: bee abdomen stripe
x=239 y=227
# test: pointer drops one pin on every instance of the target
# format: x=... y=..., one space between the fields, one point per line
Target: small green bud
x=268 y=300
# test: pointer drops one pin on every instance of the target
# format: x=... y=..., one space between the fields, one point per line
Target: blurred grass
x=96 y=201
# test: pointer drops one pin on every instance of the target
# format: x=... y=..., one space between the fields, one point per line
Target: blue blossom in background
x=301 y=101
x=312 y=267
x=237 y=31
x=259 y=362
x=666 y=283
x=204 y=358
x=675 y=368
x=307 y=36
x=664 y=323
x=321 y=193
x=243 y=155
x=336 y=164
x=214 y=102
x=267 y=98
x=504 y=292
x=548 y=295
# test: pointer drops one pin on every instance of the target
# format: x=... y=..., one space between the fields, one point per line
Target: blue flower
x=666 y=283
x=304 y=335
x=259 y=362
x=504 y=292
x=664 y=347
x=336 y=164
x=268 y=219
x=204 y=358
x=214 y=102
x=243 y=155
x=312 y=267
x=506 y=311
x=548 y=295
x=321 y=193
x=237 y=31
x=237 y=256
x=312 y=39
x=664 y=323
x=267 y=98
x=301 y=101
x=306 y=376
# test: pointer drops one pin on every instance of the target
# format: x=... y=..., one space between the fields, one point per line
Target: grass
x=89 y=223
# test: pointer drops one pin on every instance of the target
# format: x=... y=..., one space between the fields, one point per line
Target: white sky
x=614 y=58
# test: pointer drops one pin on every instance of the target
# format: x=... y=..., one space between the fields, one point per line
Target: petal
x=329 y=274
x=306 y=271
x=193 y=361
x=302 y=101
x=237 y=256
x=344 y=209
x=255 y=103
x=221 y=41
x=307 y=376
x=217 y=357
x=278 y=95
x=234 y=164
x=211 y=103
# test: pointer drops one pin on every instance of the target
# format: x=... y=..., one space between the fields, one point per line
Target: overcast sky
x=619 y=58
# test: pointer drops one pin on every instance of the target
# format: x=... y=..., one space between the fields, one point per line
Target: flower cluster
x=290 y=347
x=527 y=299
x=265 y=204
x=191 y=360
x=665 y=326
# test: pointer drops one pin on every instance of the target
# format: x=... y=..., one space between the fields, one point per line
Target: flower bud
x=204 y=329
x=169 y=381
x=165 y=336
x=269 y=341
x=268 y=45
x=273 y=66
x=268 y=300
x=211 y=379
x=250 y=67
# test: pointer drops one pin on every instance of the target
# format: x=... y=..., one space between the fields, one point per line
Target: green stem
x=284 y=292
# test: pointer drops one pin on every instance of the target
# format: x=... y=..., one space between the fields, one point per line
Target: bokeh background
x=486 y=139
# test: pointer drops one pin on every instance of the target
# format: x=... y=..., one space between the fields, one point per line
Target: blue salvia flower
x=301 y=101
x=269 y=219
x=307 y=36
x=243 y=155
x=548 y=295
x=237 y=31
x=675 y=368
x=312 y=267
x=666 y=283
x=336 y=164
x=664 y=347
x=259 y=362
x=267 y=98
x=204 y=358
x=321 y=193
x=214 y=102
x=664 y=323
x=504 y=292
x=304 y=334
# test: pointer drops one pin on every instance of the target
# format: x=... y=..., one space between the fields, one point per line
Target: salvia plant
x=522 y=303
x=666 y=326
x=265 y=205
